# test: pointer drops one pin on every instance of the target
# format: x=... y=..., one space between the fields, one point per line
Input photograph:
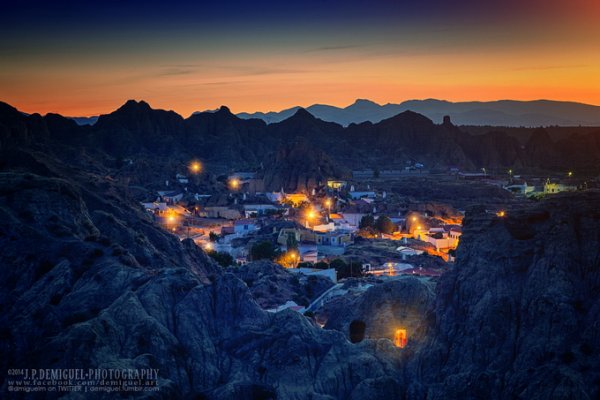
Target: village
x=337 y=229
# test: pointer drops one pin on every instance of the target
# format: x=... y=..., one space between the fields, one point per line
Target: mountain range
x=497 y=113
x=295 y=153
x=508 y=113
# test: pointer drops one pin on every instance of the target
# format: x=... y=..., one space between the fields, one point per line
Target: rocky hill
x=519 y=315
x=88 y=281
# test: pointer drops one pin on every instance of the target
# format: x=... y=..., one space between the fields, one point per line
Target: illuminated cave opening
x=400 y=338
x=357 y=331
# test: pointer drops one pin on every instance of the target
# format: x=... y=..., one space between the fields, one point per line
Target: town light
x=419 y=227
x=195 y=167
x=570 y=174
x=414 y=219
x=501 y=213
x=208 y=246
x=310 y=214
x=234 y=184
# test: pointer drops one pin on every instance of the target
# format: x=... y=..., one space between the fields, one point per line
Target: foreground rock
x=272 y=285
x=519 y=316
x=87 y=282
x=384 y=307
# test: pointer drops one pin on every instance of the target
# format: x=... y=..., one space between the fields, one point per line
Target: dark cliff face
x=518 y=316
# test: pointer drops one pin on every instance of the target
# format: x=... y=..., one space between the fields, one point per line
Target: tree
x=213 y=237
x=223 y=258
x=292 y=243
x=368 y=221
x=321 y=265
x=263 y=250
x=385 y=225
x=345 y=270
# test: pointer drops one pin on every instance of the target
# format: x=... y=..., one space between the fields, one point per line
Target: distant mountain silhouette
x=85 y=120
x=498 y=113
x=296 y=152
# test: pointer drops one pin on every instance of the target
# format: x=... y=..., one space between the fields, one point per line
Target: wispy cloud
x=549 y=67
x=333 y=48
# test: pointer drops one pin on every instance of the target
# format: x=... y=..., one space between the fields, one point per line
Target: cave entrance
x=357 y=331
x=400 y=338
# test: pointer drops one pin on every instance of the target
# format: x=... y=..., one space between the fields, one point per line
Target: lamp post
x=195 y=167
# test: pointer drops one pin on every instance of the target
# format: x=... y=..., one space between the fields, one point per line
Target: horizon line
x=300 y=106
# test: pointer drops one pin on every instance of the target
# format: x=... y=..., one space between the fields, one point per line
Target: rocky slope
x=87 y=281
x=519 y=316
x=271 y=285
x=384 y=307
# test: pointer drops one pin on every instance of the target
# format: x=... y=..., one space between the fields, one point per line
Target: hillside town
x=340 y=228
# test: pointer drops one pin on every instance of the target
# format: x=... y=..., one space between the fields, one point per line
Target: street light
x=195 y=167
x=310 y=215
x=234 y=184
x=328 y=204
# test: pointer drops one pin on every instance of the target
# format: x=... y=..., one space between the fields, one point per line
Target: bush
x=223 y=258
x=263 y=251
x=368 y=221
x=385 y=225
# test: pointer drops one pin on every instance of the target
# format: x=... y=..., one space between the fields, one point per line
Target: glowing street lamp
x=234 y=184
x=570 y=174
x=208 y=246
x=310 y=215
x=195 y=167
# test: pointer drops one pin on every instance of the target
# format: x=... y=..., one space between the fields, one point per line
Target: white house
x=258 y=209
x=243 y=226
x=182 y=179
x=409 y=251
x=158 y=207
x=170 y=197
x=358 y=195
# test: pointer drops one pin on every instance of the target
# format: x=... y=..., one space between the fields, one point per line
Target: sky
x=81 y=58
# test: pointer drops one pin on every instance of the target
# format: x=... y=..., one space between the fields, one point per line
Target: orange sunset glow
x=547 y=50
